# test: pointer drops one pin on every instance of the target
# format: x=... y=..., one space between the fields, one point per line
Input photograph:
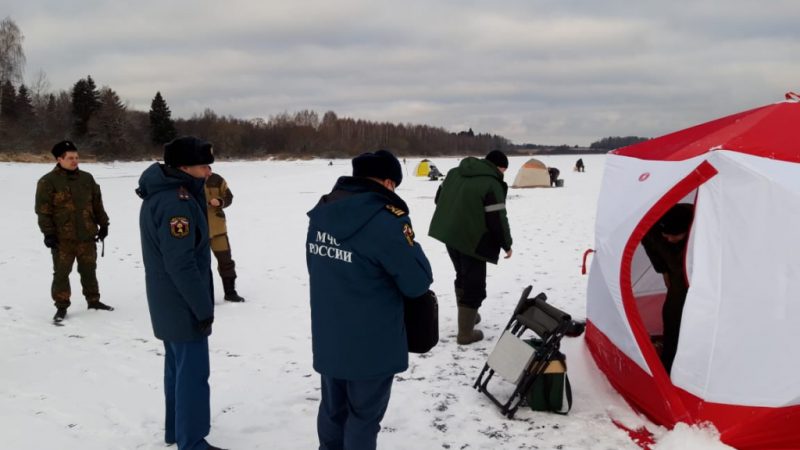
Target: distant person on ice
x=362 y=261
x=579 y=167
x=554 y=173
x=180 y=294
x=72 y=219
x=470 y=219
x=665 y=245
x=219 y=197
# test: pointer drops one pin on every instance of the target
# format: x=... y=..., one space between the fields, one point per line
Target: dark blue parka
x=362 y=260
x=176 y=254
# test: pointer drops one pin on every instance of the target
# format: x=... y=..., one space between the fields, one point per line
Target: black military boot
x=229 y=286
x=61 y=313
x=100 y=306
x=211 y=447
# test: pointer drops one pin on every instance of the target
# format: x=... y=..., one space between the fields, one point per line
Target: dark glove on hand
x=205 y=325
x=51 y=241
x=102 y=233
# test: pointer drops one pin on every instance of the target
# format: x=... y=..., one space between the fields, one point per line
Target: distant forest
x=33 y=117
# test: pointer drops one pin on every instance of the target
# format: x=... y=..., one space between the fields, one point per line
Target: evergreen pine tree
x=109 y=126
x=24 y=104
x=162 y=128
x=8 y=102
x=85 y=102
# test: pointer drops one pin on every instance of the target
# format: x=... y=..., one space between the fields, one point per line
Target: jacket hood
x=474 y=167
x=159 y=177
x=351 y=204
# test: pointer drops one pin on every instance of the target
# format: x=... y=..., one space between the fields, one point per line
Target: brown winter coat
x=217 y=187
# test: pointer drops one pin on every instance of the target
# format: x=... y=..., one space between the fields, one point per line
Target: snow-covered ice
x=96 y=383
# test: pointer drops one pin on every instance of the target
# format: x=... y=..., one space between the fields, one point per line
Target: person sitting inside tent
x=553 y=176
x=665 y=245
x=579 y=165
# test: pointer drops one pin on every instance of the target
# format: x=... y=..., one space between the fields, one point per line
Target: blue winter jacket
x=362 y=260
x=176 y=254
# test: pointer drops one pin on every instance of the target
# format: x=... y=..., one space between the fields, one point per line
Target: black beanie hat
x=188 y=151
x=497 y=158
x=677 y=220
x=381 y=164
x=63 y=147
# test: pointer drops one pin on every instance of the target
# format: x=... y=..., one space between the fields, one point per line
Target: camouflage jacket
x=216 y=187
x=69 y=205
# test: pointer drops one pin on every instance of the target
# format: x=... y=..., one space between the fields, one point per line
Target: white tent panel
x=605 y=311
x=641 y=183
x=741 y=310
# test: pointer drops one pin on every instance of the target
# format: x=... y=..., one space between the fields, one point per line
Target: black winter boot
x=98 y=305
x=229 y=286
x=61 y=313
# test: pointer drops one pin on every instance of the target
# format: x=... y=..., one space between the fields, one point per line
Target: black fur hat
x=381 y=164
x=63 y=147
x=497 y=158
x=188 y=151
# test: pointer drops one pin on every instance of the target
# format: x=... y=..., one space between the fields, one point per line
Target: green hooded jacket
x=470 y=211
x=69 y=205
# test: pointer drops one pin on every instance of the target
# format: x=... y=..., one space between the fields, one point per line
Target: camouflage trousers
x=63 y=258
x=221 y=247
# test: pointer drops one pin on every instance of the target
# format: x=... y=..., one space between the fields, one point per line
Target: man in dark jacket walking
x=362 y=261
x=180 y=295
x=470 y=219
x=71 y=216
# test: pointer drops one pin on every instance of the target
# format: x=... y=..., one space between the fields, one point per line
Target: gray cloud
x=560 y=71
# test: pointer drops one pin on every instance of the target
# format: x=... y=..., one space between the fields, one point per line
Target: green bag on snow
x=551 y=390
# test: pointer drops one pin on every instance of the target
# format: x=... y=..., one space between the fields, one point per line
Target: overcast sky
x=541 y=71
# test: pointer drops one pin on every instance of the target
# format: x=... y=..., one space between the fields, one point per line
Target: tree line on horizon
x=33 y=118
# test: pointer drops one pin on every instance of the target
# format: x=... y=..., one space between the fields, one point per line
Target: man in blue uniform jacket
x=362 y=261
x=180 y=294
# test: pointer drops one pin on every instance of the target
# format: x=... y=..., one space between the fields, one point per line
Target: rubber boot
x=229 y=286
x=460 y=298
x=467 y=334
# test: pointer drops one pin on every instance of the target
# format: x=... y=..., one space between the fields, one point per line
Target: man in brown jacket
x=219 y=197
x=71 y=216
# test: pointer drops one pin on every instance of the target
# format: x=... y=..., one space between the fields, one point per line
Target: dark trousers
x=350 y=413
x=221 y=247
x=188 y=412
x=470 y=278
x=671 y=315
x=64 y=256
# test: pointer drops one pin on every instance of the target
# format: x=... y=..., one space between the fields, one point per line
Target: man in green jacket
x=72 y=218
x=470 y=219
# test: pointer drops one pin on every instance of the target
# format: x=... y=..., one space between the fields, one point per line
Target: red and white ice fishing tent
x=738 y=359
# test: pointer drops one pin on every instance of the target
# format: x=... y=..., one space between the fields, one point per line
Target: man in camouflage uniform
x=218 y=197
x=72 y=218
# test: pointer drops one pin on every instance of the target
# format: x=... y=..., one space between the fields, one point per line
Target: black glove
x=102 y=233
x=205 y=325
x=51 y=241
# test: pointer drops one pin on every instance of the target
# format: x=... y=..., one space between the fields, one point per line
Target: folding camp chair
x=517 y=361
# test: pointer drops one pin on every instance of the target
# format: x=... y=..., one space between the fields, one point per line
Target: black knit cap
x=188 y=151
x=63 y=147
x=677 y=220
x=497 y=158
x=381 y=164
